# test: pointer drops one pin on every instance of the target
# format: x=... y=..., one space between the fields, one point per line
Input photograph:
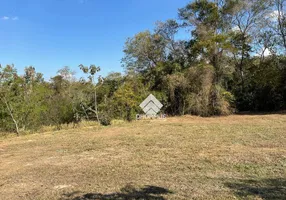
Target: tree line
x=233 y=60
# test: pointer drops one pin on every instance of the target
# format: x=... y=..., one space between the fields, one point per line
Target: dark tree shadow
x=127 y=193
x=266 y=189
x=282 y=112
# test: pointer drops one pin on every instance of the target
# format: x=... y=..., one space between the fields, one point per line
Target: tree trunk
x=12 y=116
x=129 y=117
x=86 y=115
x=95 y=105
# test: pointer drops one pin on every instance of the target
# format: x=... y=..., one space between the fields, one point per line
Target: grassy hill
x=240 y=156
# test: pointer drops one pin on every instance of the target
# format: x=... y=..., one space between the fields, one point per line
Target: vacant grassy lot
x=235 y=157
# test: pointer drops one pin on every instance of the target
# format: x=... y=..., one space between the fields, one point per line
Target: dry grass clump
x=118 y=122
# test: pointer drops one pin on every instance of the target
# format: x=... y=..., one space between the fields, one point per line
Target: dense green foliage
x=233 y=60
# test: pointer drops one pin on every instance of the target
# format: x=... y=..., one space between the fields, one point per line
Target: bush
x=105 y=119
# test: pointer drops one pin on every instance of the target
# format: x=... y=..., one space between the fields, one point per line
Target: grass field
x=234 y=157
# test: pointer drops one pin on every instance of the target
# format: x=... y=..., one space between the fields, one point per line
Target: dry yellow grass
x=240 y=156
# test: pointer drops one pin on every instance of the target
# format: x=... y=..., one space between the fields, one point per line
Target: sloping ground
x=231 y=157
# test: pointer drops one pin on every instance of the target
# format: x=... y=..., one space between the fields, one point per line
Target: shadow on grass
x=282 y=112
x=126 y=193
x=266 y=188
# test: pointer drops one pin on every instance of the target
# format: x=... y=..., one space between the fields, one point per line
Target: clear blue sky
x=50 y=34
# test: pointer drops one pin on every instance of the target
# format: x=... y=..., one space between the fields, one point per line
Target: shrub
x=105 y=119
